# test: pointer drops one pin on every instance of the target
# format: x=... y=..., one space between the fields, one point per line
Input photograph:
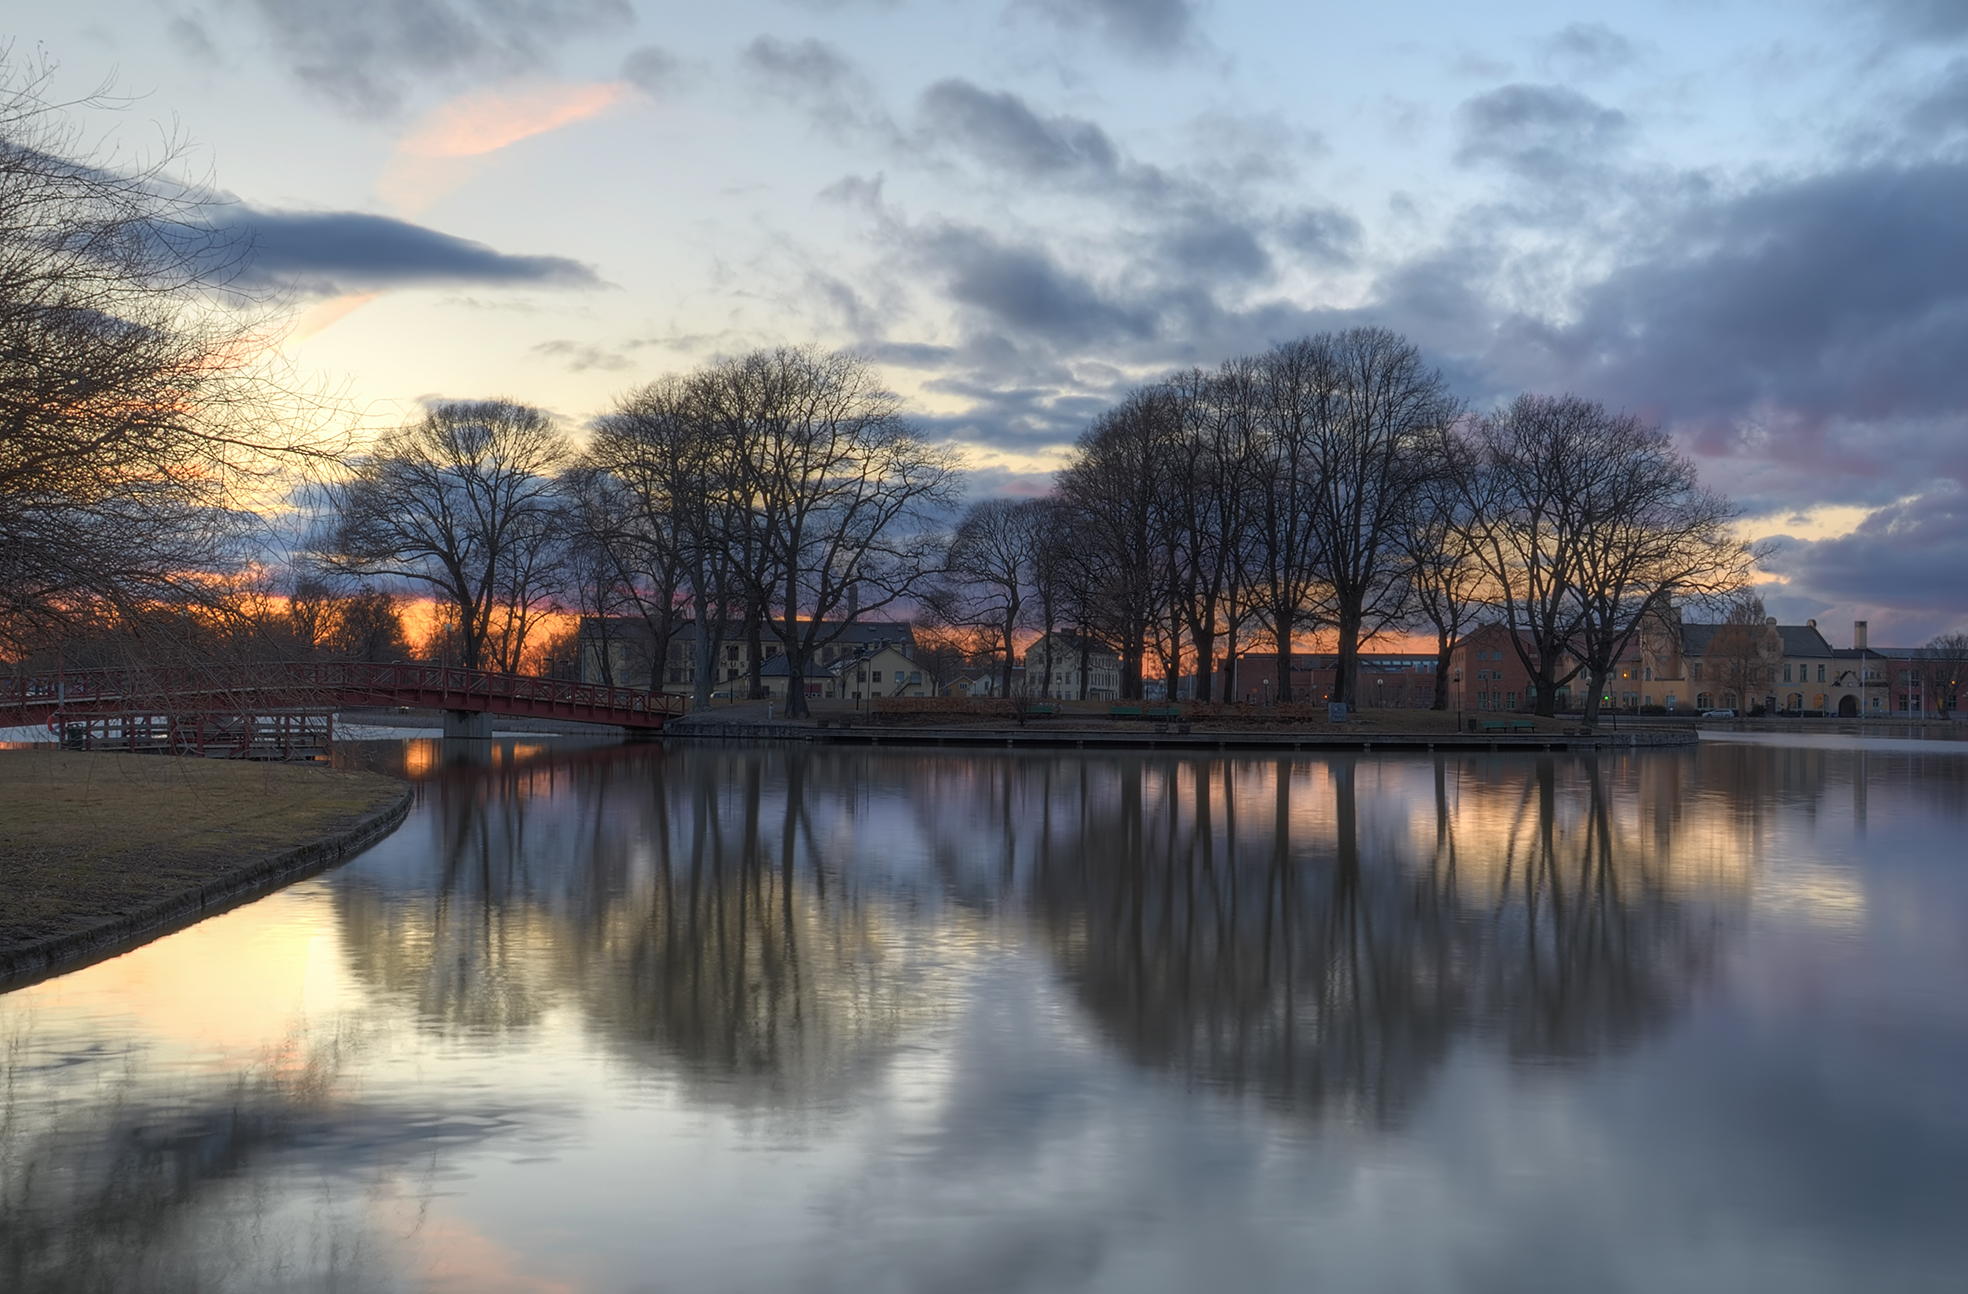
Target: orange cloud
x=484 y=121
x=318 y=317
x=444 y=150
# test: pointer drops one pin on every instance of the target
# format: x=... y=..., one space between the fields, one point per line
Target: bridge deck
x=318 y=686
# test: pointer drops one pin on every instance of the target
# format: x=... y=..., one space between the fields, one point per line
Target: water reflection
x=1315 y=931
x=966 y=983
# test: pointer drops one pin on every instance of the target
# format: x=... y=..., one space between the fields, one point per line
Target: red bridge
x=234 y=697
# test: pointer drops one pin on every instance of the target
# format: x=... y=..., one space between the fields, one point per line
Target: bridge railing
x=289 y=684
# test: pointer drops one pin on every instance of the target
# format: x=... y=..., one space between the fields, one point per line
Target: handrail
x=297 y=682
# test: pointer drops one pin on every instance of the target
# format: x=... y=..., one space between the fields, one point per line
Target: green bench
x=1523 y=725
x=1164 y=712
x=1038 y=712
x=1123 y=712
x=1506 y=725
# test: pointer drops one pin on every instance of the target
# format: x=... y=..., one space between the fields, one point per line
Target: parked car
x=1718 y=714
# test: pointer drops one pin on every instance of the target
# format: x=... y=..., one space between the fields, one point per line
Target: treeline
x=1335 y=485
x=770 y=498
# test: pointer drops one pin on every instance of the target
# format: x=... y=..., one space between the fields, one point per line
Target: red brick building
x=1388 y=680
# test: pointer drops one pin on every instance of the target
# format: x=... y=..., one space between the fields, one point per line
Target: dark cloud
x=335 y=252
x=363 y=54
x=1211 y=245
x=1539 y=132
x=652 y=70
x=1839 y=296
x=1589 y=49
x=1937 y=20
x=1002 y=130
x=1942 y=109
x=1024 y=289
x=1140 y=26
x=821 y=79
x=1911 y=555
x=1324 y=234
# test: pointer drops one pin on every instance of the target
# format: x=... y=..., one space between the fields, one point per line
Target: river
x=708 y=1018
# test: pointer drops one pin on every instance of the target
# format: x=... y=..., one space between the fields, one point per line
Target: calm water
x=738 y=1019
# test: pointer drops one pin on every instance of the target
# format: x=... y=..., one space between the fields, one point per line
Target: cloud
x=1141 y=26
x=1324 y=234
x=818 y=77
x=1843 y=295
x=1025 y=289
x=999 y=128
x=347 y=253
x=1540 y=132
x=1911 y=555
x=651 y=69
x=1588 y=49
x=581 y=357
x=364 y=54
x=1926 y=20
x=484 y=121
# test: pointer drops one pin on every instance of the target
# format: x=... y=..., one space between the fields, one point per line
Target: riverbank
x=102 y=852
x=1239 y=728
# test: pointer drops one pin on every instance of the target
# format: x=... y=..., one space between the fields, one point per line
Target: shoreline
x=40 y=959
x=1082 y=738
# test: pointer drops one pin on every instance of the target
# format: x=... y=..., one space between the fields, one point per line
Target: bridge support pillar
x=474 y=724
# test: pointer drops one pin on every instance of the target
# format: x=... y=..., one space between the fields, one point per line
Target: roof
x=1797 y=640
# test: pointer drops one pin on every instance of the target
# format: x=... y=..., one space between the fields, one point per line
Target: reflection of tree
x=1328 y=960
x=689 y=903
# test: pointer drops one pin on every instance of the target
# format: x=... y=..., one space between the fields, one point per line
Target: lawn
x=88 y=837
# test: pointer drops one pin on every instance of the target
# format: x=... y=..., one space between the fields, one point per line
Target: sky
x=1746 y=221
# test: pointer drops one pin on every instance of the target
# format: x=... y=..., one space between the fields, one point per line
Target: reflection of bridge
x=192 y=695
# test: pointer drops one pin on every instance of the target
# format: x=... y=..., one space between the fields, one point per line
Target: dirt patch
x=88 y=839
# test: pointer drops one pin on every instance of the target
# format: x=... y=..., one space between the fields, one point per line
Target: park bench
x=1523 y=725
x=1492 y=725
x=1123 y=712
x=1038 y=712
x=1164 y=712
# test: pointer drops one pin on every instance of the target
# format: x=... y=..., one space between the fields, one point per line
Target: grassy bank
x=87 y=839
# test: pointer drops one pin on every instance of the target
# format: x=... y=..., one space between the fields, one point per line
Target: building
x=1388 y=680
x=1068 y=654
x=882 y=671
x=627 y=645
x=1486 y=672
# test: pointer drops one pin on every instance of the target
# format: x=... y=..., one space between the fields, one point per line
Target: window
x=731 y=653
x=1786 y=673
x=1647 y=674
x=1697 y=675
x=915 y=676
x=1821 y=677
x=877 y=676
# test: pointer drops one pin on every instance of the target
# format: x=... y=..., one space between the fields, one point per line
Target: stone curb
x=59 y=954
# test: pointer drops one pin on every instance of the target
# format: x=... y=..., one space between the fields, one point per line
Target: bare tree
x=137 y=419
x=1369 y=445
x=1947 y=664
x=1115 y=486
x=1649 y=537
x=843 y=495
x=1290 y=386
x=1447 y=585
x=1743 y=654
x=989 y=574
x=1531 y=475
x=463 y=502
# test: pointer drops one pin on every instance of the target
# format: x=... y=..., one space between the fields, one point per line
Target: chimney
x=1858 y=634
x=853 y=600
x=1770 y=621
x=1812 y=623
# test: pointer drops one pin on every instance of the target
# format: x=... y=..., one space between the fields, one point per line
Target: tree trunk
x=1444 y=649
x=1282 y=637
x=1346 y=665
x=1596 y=688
